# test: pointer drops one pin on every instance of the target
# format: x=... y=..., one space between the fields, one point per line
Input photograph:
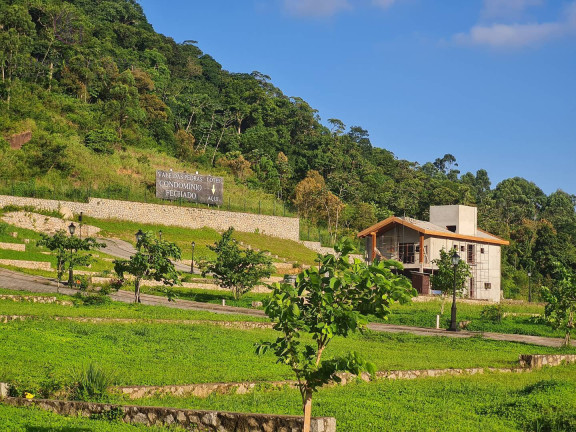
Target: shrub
x=92 y=383
x=82 y=282
x=100 y=141
x=492 y=313
x=94 y=299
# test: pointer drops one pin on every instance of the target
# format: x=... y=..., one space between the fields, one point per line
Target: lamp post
x=192 y=262
x=529 y=288
x=80 y=217
x=160 y=235
x=71 y=230
x=455 y=260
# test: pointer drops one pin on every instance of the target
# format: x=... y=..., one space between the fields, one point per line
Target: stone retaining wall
x=244 y=325
x=36 y=265
x=276 y=226
x=536 y=361
x=20 y=247
x=206 y=421
x=35 y=299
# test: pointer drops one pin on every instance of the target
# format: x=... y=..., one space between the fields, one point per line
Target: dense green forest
x=95 y=84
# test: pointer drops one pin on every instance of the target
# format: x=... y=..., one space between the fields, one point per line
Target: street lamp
x=529 y=288
x=192 y=262
x=160 y=234
x=455 y=260
x=72 y=228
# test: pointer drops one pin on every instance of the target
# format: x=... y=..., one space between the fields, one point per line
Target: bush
x=93 y=299
x=100 y=141
x=492 y=313
x=91 y=383
x=82 y=282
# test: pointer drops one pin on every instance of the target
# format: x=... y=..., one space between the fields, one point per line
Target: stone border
x=245 y=325
x=35 y=299
x=206 y=421
x=20 y=247
x=35 y=265
x=537 y=361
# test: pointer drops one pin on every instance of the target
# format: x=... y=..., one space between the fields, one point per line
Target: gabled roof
x=431 y=229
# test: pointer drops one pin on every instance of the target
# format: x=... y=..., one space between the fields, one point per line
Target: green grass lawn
x=209 y=296
x=109 y=310
x=542 y=400
x=423 y=314
x=183 y=237
x=161 y=354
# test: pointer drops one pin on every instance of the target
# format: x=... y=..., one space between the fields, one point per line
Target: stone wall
x=35 y=299
x=20 y=247
x=536 y=361
x=187 y=217
x=206 y=421
x=35 y=265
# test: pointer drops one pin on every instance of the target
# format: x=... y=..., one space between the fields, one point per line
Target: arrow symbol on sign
x=213 y=189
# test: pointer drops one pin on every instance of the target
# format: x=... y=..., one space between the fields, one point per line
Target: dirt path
x=22 y=282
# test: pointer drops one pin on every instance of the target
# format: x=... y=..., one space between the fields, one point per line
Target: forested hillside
x=98 y=87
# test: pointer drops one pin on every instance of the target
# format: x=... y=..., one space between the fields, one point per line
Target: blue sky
x=492 y=82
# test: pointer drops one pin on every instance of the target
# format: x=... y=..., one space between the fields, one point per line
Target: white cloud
x=520 y=35
x=316 y=8
x=507 y=8
x=511 y=36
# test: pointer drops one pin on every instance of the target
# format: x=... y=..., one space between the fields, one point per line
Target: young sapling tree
x=443 y=278
x=152 y=261
x=330 y=300
x=236 y=269
x=560 y=309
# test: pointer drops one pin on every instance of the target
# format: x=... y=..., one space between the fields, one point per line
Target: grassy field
x=211 y=296
x=423 y=314
x=540 y=401
x=183 y=237
x=160 y=354
x=109 y=310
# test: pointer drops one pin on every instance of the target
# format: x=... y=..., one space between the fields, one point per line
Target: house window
x=451 y=228
x=470 y=256
x=407 y=253
x=481 y=250
x=487 y=285
x=462 y=248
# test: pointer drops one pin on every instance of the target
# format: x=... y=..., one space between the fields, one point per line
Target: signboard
x=198 y=188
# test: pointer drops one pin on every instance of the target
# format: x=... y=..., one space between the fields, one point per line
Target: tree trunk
x=50 y=76
x=70 y=276
x=137 y=291
x=569 y=328
x=307 y=410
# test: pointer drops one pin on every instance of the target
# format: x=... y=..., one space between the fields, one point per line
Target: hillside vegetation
x=108 y=100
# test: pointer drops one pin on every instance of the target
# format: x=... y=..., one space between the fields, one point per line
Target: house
x=417 y=244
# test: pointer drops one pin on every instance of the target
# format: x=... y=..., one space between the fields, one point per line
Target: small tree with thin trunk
x=152 y=261
x=69 y=252
x=443 y=278
x=236 y=269
x=560 y=300
x=330 y=300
